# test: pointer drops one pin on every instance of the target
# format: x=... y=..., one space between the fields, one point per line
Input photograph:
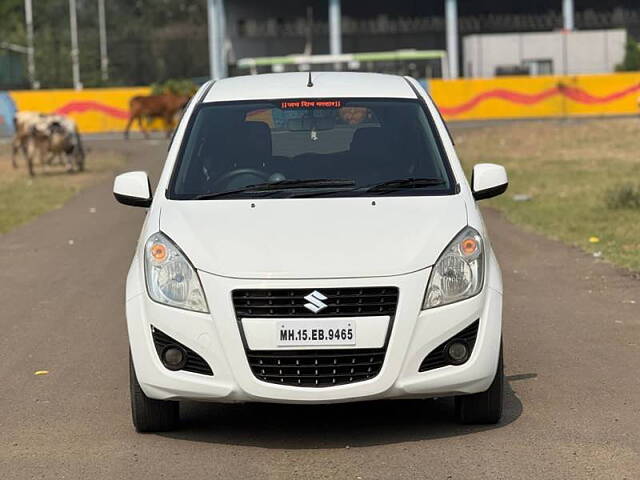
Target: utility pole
x=335 y=29
x=222 y=32
x=216 y=23
x=75 y=60
x=308 y=44
x=31 y=64
x=451 y=16
x=567 y=15
x=567 y=27
x=104 y=59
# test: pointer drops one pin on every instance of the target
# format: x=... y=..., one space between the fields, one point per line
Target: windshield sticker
x=292 y=104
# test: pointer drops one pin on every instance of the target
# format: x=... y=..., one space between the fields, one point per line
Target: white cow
x=50 y=137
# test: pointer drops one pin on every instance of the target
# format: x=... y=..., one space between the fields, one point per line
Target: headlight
x=459 y=271
x=170 y=278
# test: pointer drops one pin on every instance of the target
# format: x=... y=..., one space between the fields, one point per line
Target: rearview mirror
x=488 y=180
x=307 y=124
x=133 y=188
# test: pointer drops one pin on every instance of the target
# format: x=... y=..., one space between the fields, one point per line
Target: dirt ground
x=572 y=352
x=23 y=198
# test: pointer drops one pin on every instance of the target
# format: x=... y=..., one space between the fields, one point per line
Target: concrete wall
x=578 y=52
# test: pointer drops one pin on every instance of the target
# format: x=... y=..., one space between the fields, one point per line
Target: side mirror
x=133 y=188
x=488 y=180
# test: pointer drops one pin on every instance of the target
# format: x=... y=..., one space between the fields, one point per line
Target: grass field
x=23 y=198
x=583 y=178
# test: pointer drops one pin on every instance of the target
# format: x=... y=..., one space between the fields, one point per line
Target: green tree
x=631 y=61
x=12 y=21
x=148 y=40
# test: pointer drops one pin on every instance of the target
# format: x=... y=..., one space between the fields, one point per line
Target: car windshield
x=315 y=147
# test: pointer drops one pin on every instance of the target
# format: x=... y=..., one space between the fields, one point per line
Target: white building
x=542 y=53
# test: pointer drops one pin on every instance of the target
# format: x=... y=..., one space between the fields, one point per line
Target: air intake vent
x=194 y=362
x=438 y=356
x=316 y=368
x=340 y=302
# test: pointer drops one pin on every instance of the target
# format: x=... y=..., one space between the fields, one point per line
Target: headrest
x=369 y=140
x=255 y=138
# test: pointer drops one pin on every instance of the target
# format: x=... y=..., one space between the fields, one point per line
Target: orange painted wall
x=544 y=96
x=106 y=109
x=94 y=110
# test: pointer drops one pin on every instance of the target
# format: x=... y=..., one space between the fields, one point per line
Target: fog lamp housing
x=457 y=352
x=173 y=357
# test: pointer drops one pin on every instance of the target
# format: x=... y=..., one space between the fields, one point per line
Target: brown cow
x=164 y=106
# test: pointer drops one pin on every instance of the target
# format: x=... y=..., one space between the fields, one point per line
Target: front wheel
x=148 y=414
x=484 y=407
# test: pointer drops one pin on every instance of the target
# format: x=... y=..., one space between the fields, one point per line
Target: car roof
x=294 y=85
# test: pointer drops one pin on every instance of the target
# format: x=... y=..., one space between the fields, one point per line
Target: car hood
x=314 y=238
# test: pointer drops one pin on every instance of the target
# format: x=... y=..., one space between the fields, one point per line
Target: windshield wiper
x=384 y=187
x=280 y=185
x=403 y=183
x=309 y=183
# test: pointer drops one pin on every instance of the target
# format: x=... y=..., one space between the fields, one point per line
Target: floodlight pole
x=568 y=15
x=216 y=23
x=104 y=59
x=451 y=15
x=75 y=53
x=31 y=64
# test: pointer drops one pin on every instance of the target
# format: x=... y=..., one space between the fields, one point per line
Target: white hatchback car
x=313 y=239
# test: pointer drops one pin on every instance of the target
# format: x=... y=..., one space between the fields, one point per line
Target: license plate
x=316 y=333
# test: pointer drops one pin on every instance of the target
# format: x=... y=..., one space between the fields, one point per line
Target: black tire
x=148 y=414
x=483 y=407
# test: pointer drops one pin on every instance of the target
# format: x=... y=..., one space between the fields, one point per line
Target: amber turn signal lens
x=158 y=251
x=469 y=246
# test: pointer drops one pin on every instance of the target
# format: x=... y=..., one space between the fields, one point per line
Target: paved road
x=572 y=339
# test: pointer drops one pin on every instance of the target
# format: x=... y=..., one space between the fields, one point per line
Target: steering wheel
x=227 y=177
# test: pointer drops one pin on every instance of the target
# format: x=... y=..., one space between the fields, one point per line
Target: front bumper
x=216 y=337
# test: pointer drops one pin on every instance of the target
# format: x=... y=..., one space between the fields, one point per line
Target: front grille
x=438 y=357
x=316 y=368
x=341 y=302
x=195 y=363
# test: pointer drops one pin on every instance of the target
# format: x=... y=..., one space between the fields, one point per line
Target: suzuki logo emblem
x=315 y=300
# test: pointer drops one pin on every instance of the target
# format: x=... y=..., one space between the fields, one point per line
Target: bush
x=624 y=196
x=631 y=61
x=174 y=86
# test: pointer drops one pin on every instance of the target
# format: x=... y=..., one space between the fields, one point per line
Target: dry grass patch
x=572 y=170
x=23 y=198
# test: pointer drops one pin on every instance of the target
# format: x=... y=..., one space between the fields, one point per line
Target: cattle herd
x=53 y=139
